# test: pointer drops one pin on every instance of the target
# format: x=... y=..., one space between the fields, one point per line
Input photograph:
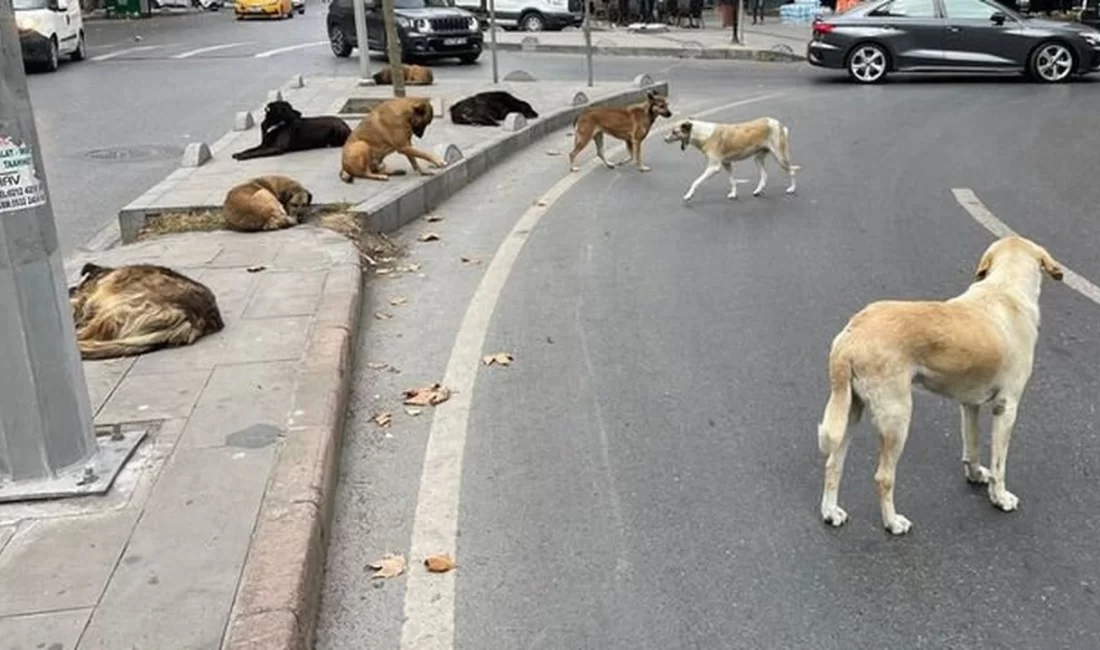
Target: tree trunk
x=393 y=48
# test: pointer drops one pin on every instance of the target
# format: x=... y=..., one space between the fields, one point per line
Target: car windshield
x=419 y=4
x=23 y=5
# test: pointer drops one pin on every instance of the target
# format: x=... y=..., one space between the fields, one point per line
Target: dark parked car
x=428 y=29
x=883 y=36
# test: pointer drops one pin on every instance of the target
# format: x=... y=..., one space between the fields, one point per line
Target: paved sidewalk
x=773 y=41
x=245 y=425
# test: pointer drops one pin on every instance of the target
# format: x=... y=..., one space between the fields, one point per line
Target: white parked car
x=50 y=29
x=530 y=15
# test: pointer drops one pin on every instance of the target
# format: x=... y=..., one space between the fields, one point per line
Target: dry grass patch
x=171 y=223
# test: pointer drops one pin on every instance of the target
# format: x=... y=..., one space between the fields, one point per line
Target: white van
x=530 y=15
x=49 y=29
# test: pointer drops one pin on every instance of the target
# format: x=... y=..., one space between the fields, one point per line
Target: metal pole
x=493 y=38
x=587 y=43
x=393 y=48
x=45 y=413
x=361 y=42
x=740 y=23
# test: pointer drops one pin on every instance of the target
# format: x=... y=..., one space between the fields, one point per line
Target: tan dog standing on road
x=725 y=144
x=631 y=124
x=976 y=348
x=130 y=310
x=387 y=129
x=265 y=203
x=415 y=75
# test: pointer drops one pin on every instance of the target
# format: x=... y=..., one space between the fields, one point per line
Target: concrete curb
x=711 y=53
x=280 y=589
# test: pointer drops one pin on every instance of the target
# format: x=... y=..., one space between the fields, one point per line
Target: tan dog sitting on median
x=631 y=124
x=131 y=310
x=976 y=348
x=387 y=129
x=268 y=202
x=725 y=144
x=415 y=75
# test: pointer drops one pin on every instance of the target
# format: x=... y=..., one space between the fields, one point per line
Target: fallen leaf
x=382 y=419
x=390 y=566
x=413 y=412
x=381 y=315
x=411 y=268
x=439 y=563
x=500 y=358
x=472 y=261
x=433 y=218
x=377 y=366
x=429 y=236
x=540 y=203
x=429 y=395
x=398 y=301
x=256 y=269
x=383 y=271
x=551 y=152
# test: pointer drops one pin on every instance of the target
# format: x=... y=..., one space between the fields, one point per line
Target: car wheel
x=81 y=51
x=1052 y=63
x=532 y=22
x=53 y=60
x=339 y=43
x=868 y=63
x=468 y=59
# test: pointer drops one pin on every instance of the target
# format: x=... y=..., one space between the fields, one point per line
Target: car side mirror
x=998 y=17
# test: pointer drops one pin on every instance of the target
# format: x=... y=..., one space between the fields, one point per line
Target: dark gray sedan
x=882 y=36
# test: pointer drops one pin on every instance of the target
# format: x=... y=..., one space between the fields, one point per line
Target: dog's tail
x=785 y=147
x=835 y=421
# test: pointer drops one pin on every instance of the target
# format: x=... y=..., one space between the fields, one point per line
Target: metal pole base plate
x=116 y=442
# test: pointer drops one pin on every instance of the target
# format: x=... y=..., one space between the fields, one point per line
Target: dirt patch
x=177 y=222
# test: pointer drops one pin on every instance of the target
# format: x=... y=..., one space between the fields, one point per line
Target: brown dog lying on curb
x=387 y=129
x=415 y=75
x=976 y=348
x=131 y=310
x=265 y=203
x=631 y=124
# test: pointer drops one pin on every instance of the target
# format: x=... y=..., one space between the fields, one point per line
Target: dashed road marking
x=289 y=48
x=430 y=598
x=129 y=50
x=211 y=48
x=973 y=205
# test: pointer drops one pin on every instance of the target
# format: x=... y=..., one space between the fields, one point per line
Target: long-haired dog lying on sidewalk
x=131 y=310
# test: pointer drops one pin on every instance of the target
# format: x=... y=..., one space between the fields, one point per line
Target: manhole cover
x=135 y=153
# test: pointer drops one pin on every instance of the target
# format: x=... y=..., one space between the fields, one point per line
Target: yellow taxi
x=263 y=9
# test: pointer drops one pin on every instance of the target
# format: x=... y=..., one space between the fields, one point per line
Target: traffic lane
x=651 y=478
x=103 y=34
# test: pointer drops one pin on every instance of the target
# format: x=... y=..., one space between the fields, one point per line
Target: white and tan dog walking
x=977 y=348
x=725 y=144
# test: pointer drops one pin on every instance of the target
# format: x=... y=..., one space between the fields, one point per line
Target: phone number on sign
x=20 y=198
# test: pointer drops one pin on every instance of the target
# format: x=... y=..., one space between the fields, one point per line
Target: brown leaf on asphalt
x=429 y=236
x=540 y=203
x=398 y=301
x=439 y=563
x=381 y=315
x=382 y=419
x=500 y=358
x=256 y=269
x=472 y=261
x=390 y=566
x=413 y=412
x=433 y=218
x=429 y=395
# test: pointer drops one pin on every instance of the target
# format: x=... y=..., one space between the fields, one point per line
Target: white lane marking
x=129 y=50
x=289 y=48
x=972 y=204
x=430 y=598
x=212 y=48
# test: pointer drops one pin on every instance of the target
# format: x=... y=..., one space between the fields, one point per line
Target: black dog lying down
x=284 y=130
x=489 y=108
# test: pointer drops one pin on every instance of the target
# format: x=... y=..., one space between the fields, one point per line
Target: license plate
x=454 y=41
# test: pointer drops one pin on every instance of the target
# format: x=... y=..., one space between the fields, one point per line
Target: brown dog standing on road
x=387 y=129
x=265 y=203
x=415 y=75
x=976 y=348
x=631 y=124
x=131 y=310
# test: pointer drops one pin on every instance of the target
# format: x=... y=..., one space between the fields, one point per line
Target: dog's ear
x=309 y=197
x=686 y=128
x=984 y=265
x=1050 y=265
x=651 y=95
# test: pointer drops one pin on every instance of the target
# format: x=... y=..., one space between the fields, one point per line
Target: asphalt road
x=115 y=125
x=645 y=475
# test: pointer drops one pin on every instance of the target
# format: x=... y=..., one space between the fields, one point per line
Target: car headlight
x=26 y=23
x=474 y=24
x=422 y=25
x=402 y=22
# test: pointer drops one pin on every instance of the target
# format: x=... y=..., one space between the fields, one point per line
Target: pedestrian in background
x=757 y=10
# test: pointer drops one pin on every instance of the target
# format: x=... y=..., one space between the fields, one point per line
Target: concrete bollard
x=514 y=122
x=243 y=121
x=643 y=80
x=195 y=154
x=449 y=153
x=579 y=98
x=275 y=96
x=529 y=44
x=519 y=75
x=692 y=50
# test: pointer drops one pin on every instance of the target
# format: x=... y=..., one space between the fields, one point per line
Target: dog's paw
x=732 y=196
x=1004 y=500
x=758 y=192
x=976 y=474
x=574 y=169
x=899 y=525
x=427 y=172
x=643 y=168
x=687 y=198
x=790 y=190
x=835 y=516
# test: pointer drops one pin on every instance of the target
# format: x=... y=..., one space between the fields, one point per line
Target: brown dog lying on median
x=265 y=203
x=131 y=310
x=388 y=128
x=415 y=75
x=631 y=124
